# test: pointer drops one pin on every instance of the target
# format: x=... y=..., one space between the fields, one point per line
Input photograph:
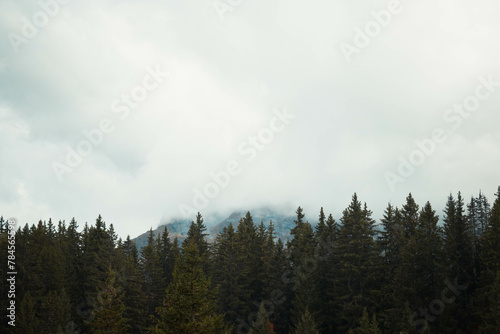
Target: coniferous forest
x=414 y=271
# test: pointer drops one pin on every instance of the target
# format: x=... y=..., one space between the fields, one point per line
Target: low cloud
x=227 y=79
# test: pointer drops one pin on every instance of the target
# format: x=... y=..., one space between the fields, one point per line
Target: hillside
x=215 y=223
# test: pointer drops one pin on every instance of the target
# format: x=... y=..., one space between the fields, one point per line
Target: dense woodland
x=411 y=272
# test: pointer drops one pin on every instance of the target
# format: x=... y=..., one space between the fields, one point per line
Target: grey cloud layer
x=353 y=119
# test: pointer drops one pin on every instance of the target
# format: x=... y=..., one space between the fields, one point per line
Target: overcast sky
x=353 y=95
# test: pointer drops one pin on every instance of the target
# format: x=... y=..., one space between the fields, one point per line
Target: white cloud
x=353 y=120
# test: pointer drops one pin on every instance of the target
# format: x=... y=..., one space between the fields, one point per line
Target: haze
x=212 y=75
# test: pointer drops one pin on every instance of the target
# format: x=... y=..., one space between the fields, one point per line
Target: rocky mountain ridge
x=283 y=223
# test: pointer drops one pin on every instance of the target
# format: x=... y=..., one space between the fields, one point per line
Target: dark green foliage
x=154 y=283
x=459 y=252
x=28 y=321
x=488 y=290
x=306 y=324
x=276 y=290
x=491 y=315
x=413 y=275
x=304 y=265
x=190 y=304
x=132 y=280
x=55 y=312
x=366 y=326
x=326 y=235
x=359 y=264
x=230 y=275
x=490 y=255
x=429 y=256
x=98 y=256
x=262 y=325
x=108 y=315
x=197 y=235
x=167 y=256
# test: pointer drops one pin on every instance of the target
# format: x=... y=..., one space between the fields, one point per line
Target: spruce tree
x=276 y=288
x=406 y=273
x=490 y=257
x=409 y=215
x=390 y=244
x=491 y=312
x=459 y=250
x=190 y=304
x=167 y=256
x=197 y=235
x=326 y=234
x=359 y=262
x=304 y=266
x=153 y=280
x=249 y=254
x=366 y=326
x=306 y=325
x=55 y=312
x=72 y=248
x=262 y=325
x=28 y=322
x=98 y=257
x=429 y=250
x=110 y=309
x=230 y=275
x=490 y=267
x=134 y=298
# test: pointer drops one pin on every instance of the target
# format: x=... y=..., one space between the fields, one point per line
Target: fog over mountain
x=282 y=219
x=149 y=111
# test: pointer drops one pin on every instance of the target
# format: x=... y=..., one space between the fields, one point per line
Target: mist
x=148 y=111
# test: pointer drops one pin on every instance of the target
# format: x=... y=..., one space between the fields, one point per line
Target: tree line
x=411 y=273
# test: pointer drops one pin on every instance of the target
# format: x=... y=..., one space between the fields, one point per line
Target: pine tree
x=262 y=325
x=326 y=234
x=72 y=249
x=459 y=250
x=366 y=326
x=306 y=325
x=132 y=280
x=28 y=322
x=483 y=211
x=390 y=244
x=301 y=245
x=99 y=250
x=190 y=305
x=55 y=312
x=167 y=256
x=409 y=215
x=321 y=227
x=429 y=259
x=197 y=235
x=490 y=267
x=276 y=289
x=478 y=212
x=152 y=271
x=31 y=261
x=408 y=323
x=249 y=254
x=359 y=264
x=490 y=245
x=176 y=249
x=230 y=275
x=406 y=273
x=491 y=314
x=109 y=311
x=305 y=266
x=53 y=269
